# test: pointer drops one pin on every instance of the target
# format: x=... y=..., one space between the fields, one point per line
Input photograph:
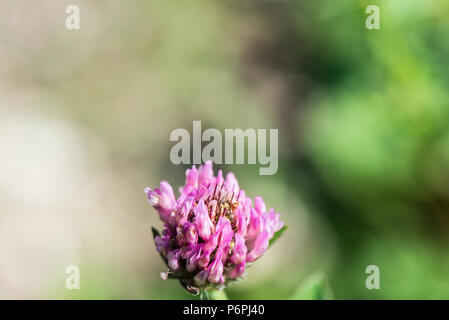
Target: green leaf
x=155 y=232
x=314 y=287
x=277 y=235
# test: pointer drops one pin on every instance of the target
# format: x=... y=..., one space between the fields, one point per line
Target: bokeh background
x=363 y=119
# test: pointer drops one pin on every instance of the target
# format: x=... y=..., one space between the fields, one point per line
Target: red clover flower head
x=212 y=230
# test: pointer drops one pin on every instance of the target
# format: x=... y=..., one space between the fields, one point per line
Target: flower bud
x=212 y=230
x=255 y=225
x=173 y=259
x=203 y=223
x=239 y=251
x=259 y=247
x=216 y=269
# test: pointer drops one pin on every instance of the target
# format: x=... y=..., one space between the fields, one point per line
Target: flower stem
x=218 y=295
x=204 y=294
x=213 y=294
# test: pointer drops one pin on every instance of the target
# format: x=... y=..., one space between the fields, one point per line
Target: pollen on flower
x=212 y=229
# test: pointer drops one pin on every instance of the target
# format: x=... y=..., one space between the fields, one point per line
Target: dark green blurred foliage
x=370 y=135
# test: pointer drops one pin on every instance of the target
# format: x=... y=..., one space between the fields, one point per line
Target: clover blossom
x=212 y=230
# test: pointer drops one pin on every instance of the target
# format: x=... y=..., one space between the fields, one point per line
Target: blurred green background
x=363 y=119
